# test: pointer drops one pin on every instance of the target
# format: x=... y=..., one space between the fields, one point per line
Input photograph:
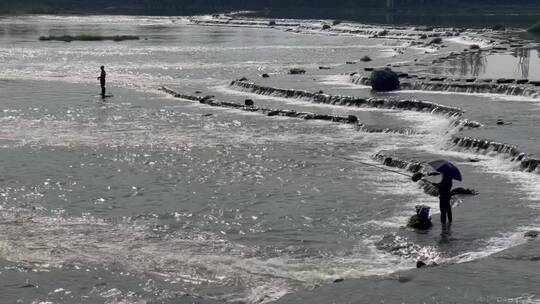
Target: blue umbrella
x=446 y=168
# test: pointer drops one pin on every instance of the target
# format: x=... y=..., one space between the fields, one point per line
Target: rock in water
x=421 y=220
x=532 y=234
x=384 y=80
x=297 y=71
x=419 y=223
x=352 y=119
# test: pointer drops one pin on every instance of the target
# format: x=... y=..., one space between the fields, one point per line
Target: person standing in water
x=101 y=79
x=445 y=194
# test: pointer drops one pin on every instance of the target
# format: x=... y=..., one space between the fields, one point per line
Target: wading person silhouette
x=445 y=194
x=449 y=172
x=101 y=79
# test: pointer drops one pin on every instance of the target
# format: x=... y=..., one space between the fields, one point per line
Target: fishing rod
x=415 y=177
x=375 y=166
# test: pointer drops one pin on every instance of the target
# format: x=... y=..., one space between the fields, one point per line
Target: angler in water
x=445 y=194
x=449 y=172
x=101 y=79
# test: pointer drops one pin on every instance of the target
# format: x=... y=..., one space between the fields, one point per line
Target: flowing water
x=146 y=198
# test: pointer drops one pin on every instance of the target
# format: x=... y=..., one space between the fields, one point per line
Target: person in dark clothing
x=101 y=79
x=445 y=194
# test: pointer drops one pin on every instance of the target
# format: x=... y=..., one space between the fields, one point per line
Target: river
x=147 y=198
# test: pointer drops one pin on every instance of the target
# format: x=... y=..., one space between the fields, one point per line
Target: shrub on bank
x=535 y=28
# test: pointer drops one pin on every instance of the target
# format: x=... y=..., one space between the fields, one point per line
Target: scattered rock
x=324 y=68
x=474 y=47
x=206 y=98
x=463 y=191
x=28 y=285
x=437 y=40
x=243 y=79
x=198 y=92
x=249 y=102
x=297 y=71
x=420 y=264
x=265 y=75
x=474 y=160
x=353 y=73
x=416 y=222
x=535 y=83
x=486 y=80
x=320 y=92
x=382 y=33
x=417 y=176
x=338 y=280
x=522 y=81
x=437 y=78
x=384 y=80
x=352 y=119
x=365 y=59
x=470 y=79
x=272 y=23
x=350 y=62
x=336 y=22
x=504 y=80
x=369 y=69
x=403 y=75
x=207 y=115
x=326 y=27
x=423 y=36
x=501 y=122
x=532 y=234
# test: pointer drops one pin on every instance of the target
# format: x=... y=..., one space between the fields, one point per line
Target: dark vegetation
x=535 y=28
x=87 y=38
x=171 y=7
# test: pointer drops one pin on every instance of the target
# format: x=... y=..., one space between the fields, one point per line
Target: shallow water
x=144 y=198
x=518 y=64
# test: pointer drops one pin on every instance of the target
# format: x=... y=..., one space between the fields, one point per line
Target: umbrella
x=446 y=168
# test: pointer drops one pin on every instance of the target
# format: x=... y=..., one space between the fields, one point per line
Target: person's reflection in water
x=446 y=233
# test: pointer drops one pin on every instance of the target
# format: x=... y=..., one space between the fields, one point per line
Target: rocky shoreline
x=411 y=105
x=249 y=106
x=505 y=86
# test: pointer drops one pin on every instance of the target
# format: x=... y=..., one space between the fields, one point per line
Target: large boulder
x=384 y=80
